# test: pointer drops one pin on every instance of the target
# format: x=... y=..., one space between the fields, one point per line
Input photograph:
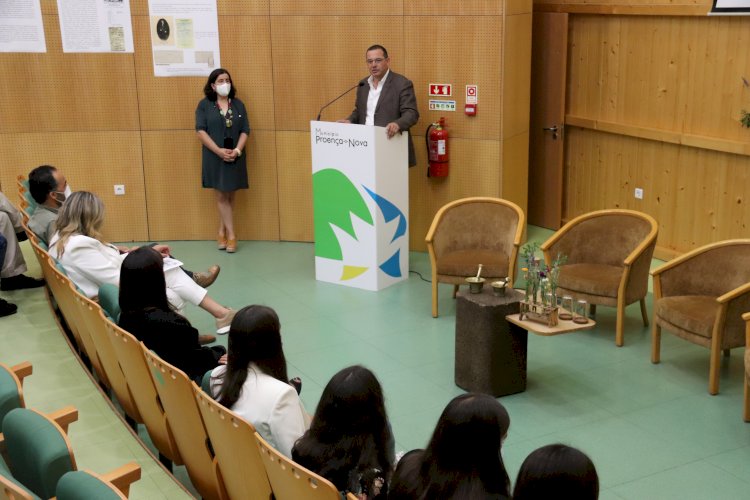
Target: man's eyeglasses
x=375 y=61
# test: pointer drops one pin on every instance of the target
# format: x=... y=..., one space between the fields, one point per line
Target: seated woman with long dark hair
x=350 y=441
x=557 y=471
x=146 y=313
x=463 y=459
x=254 y=384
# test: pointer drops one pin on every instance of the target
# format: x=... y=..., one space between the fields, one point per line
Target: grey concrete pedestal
x=490 y=351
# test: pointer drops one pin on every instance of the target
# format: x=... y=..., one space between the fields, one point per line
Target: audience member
x=350 y=442
x=254 y=384
x=50 y=189
x=463 y=460
x=557 y=471
x=6 y=308
x=145 y=312
x=13 y=264
x=90 y=262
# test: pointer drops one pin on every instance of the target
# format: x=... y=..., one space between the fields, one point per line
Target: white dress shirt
x=372 y=98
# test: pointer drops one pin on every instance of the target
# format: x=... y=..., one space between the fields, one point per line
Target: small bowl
x=498 y=288
x=475 y=284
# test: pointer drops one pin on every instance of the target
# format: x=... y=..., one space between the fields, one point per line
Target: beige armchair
x=746 y=412
x=473 y=231
x=608 y=257
x=700 y=297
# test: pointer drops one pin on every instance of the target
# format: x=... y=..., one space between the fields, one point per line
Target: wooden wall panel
x=169 y=103
x=469 y=53
x=179 y=208
x=697 y=196
x=51 y=91
x=627 y=7
x=90 y=162
x=475 y=171
x=515 y=172
x=463 y=8
x=516 y=92
x=643 y=70
x=295 y=186
x=648 y=79
x=337 y=8
x=223 y=7
x=316 y=58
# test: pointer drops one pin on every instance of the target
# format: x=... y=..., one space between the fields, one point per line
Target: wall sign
x=442 y=105
x=440 y=90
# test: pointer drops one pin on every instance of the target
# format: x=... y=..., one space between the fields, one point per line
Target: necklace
x=227 y=115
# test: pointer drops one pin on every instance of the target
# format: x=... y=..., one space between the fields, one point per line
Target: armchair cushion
x=694 y=313
x=591 y=279
x=464 y=263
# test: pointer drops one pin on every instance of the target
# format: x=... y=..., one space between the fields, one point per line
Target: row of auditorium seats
x=223 y=455
x=37 y=460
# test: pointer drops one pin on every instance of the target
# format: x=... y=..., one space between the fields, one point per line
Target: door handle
x=553 y=129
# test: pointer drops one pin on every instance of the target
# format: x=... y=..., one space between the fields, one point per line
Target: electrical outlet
x=119 y=189
x=639 y=193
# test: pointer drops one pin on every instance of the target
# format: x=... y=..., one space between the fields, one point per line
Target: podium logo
x=324 y=137
x=337 y=202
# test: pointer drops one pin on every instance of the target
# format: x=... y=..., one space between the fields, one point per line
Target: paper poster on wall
x=731 y=7
x=95 y=25
x=184 y=37
x=21 y=26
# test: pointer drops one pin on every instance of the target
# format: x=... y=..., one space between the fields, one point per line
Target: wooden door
x=549 y=60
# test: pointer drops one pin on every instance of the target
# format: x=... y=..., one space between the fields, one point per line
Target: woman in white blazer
x=90 y=262
x=254 y=384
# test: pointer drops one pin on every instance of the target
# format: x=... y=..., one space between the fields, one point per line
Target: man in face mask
x=49 y=189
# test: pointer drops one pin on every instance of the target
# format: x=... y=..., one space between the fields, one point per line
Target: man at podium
x=385 y=98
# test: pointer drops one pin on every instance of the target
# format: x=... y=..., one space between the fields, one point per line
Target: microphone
x=339 y=97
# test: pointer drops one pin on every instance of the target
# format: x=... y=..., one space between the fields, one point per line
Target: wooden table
x=563 y=326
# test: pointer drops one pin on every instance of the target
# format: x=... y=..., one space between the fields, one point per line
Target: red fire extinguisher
x=436 y=138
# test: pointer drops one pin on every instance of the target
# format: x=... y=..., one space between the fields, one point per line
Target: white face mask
x=63 y=195
x=223 y=89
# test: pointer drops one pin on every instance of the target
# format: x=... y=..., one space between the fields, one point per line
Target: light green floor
x=652 y=430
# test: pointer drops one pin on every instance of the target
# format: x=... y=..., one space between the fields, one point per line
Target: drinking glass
x=567 y=308
x=582 y=308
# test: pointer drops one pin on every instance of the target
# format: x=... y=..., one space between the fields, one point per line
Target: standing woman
x=222 y=126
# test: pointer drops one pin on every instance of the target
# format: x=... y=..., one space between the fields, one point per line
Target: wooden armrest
x=123 y=476
x=733 y=294
x=64 y=416
x=746 y=317
x=640 y=249
x=22 y=370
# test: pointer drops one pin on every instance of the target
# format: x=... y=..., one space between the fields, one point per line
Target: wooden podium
x=361 y=205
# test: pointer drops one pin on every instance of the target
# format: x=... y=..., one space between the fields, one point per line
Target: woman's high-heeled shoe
x=231 y=246
x=222 y=242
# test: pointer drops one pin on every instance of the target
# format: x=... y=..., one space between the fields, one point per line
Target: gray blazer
x=397 y=103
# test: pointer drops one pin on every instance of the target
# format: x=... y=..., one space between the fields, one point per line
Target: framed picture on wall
x=731 y=7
